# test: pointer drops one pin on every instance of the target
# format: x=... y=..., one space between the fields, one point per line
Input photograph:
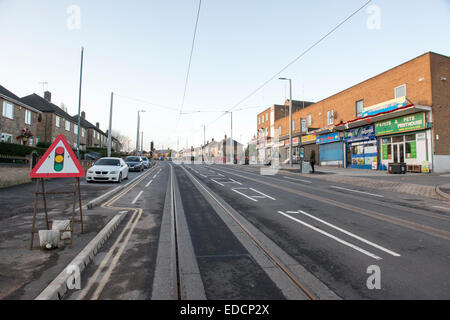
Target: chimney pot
x=97 y=125
x=48 y=96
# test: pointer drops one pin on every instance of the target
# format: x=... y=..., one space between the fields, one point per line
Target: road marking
x=236 y=182
x=306 y=181
x=203 y=175
x=372 y=194
x=332 y=237
x=441 y=207
x=218 y=182
x=137 y=197
x=220 y=174
x=149 y=183
x=350 y=234
x=263 y=194
x=244 y=195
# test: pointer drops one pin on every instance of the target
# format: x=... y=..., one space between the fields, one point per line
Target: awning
x=359 y=122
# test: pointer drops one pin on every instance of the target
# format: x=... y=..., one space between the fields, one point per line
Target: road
x=230 y=232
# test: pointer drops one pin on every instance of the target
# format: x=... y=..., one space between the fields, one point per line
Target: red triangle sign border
x=79 y=174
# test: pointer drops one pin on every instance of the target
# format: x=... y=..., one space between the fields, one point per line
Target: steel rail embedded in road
x=274 y=259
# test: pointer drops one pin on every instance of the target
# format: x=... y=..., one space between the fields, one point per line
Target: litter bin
x=397 y=168
x=306 y=167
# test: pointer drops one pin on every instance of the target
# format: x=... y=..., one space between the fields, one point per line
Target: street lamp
x=290 y=119
x=137 y=137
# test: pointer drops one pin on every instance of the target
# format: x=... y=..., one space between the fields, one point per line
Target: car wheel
x=120 y=178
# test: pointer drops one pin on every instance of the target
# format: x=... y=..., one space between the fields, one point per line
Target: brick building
x=17 y=116
x=55 y=121
x=96 y=138
x=411 y=100
x=270 y=124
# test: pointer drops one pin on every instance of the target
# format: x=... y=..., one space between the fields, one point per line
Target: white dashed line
x=149 y=183
x=244 y=195
x=294 y=179
x=263 y=194
x=137 y=197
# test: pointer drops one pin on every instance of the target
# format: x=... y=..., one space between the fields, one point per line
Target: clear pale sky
x=140 y=49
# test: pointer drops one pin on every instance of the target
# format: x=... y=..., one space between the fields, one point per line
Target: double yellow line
x=131 y=225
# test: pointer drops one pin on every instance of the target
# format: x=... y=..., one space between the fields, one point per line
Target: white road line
x=441 y=207
x=236 y=182
x=332 y=237
x=220 y=174
x=263 y=194
x=244 y=195
x=137 y=197
x=306 y=181
x=350 y=234
x=371 y=194
x=149 y=183
x=203 y=175
x=218 y=182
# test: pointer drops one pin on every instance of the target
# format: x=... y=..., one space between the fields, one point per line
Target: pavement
x=216 y=232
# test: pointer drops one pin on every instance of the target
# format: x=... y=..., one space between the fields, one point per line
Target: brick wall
x=440 y=67
x=48 y=131
x=415 y=74
x=14 y=126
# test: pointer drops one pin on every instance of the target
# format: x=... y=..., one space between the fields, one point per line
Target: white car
x=108 y=169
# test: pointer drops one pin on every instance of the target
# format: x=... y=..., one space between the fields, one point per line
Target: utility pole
x=142 y=142
x=290 y=120
x=110 y=125
x=137 y=135
x=79 y=104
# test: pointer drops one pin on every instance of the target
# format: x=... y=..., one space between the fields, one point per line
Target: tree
x=124 y=140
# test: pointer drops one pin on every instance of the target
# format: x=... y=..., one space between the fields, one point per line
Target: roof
x=5 y=93
x=86 y=124
x=43 y=105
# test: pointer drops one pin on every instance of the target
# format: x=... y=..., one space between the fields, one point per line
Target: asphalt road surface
x=236 y=232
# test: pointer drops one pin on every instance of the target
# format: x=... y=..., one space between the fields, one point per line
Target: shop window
x=388 y=155
x=387 y=140
x=410 y=137
x=398 y=139
x=411 y=150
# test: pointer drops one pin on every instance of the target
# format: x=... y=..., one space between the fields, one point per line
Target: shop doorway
x=399 y=152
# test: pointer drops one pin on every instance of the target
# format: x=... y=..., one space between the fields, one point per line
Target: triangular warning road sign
x=59 y=161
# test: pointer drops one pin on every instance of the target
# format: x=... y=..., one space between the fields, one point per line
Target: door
x=399 y=152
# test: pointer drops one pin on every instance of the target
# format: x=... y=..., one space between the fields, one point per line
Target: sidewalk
x=419 y=184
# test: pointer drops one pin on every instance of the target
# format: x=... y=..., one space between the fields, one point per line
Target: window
x=27 y=117
x=30 y=142
x=67 y=125
x=259 y=120
x=6 y=137
x=309 y=119
x=293 y=125
x=303 y=122
x=8 y=110
x=279 y=130
x=330 y=117
x=359 y=108
x=83 y=132
x=58 y=121
x=400 y=91
x=75 y=129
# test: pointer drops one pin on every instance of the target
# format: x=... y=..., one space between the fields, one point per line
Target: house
x=55 y=121
x=19 y=121
x=96 y=138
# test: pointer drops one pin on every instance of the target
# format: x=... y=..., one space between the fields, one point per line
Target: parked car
x=108 y=169
x=92 y=156
x=134 y=163
x=146 y=162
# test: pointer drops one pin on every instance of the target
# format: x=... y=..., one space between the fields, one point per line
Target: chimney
x=97 y=125
x=83 y=114
x=48 y=96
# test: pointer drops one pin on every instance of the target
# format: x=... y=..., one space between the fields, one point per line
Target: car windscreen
x=107 y=162
x=133 y=159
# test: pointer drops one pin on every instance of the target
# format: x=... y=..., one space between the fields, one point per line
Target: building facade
x=18 y=121
x=400 y=115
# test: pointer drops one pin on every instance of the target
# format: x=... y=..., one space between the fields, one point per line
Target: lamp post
x=110 y=126
x=290 y=120
x=137 y=137
x=79 y=103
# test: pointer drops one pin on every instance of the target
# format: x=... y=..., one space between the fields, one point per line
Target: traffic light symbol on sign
x=59 y=159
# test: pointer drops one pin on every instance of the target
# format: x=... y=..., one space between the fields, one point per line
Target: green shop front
x=405 y=139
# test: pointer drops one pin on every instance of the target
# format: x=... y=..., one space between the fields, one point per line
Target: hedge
x=19 y=150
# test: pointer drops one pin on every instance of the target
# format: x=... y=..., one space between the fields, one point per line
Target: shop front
x=361 y=148
x=295 y=149
x=309 y=144
x=331 y=149
x=405 y=140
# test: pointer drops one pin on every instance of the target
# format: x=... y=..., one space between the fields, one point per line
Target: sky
x=140 y=51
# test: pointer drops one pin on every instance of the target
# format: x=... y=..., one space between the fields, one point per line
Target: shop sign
x=332 y=137
x=384 y=107
x=309 y=138
x=402 y=124
x=295 y=141
x=359 y=134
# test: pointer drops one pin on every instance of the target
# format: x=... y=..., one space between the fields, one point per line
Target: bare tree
x=123 y=139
